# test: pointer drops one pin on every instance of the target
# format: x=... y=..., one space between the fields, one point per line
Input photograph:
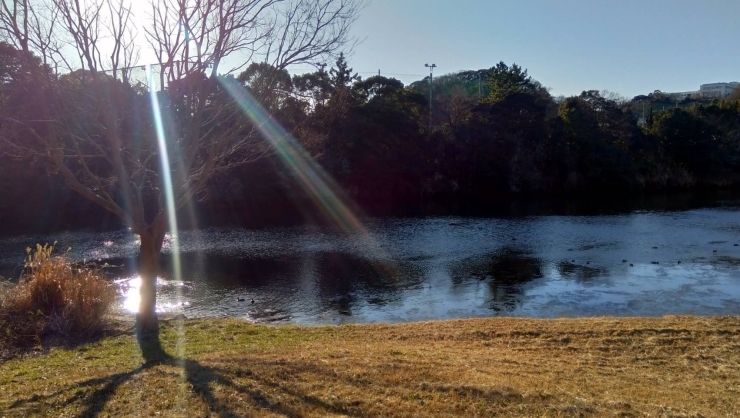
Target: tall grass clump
x=54 y=298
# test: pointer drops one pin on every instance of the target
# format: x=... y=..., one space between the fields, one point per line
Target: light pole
x=479 y=85
x=431 y=75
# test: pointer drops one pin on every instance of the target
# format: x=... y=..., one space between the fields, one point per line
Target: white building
x=707 y=91
x=718 y=89
x=682 y=95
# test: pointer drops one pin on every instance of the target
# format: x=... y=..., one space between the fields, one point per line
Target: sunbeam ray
x=312 y=178
x=169 y=201
x=315 y=181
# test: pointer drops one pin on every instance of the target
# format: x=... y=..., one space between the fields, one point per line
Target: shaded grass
x=671 y=366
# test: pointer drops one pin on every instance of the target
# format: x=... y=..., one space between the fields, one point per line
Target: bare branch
x=97 y=128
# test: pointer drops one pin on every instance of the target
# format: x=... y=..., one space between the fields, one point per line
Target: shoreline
x=167 y=317
x=470 y=206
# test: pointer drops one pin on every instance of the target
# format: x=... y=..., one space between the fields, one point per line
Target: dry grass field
x=628 y=367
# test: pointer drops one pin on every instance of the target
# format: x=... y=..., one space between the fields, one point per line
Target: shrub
x=55 y=297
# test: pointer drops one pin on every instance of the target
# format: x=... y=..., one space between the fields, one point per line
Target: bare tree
x=735 y=94
x=614 y=97
x=109 y=138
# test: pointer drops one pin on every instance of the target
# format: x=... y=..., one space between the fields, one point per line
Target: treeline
x=491 y=134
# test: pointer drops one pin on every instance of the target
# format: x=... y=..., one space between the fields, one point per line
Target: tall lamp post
x=479 y=84
x=431 y=75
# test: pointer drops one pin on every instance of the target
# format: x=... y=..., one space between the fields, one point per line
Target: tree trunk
x=148 y=269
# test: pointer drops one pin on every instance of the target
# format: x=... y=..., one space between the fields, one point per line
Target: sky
x=626 y=46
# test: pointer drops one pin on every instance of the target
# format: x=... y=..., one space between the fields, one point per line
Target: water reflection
x=248 y=273
x=506 y=272
x=585 y=273
x=343 y=279
x=432 y=268
x=322 y=284
x=511 y=269
x=726 y=261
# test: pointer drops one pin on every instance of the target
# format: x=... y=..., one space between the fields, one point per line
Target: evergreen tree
x=504 y=80
x=341 y=75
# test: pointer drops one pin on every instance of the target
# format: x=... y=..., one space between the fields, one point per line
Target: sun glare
x=170 y=199
x=313 y=179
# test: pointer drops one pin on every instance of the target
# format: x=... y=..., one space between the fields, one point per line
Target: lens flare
x=169 y=198
x=167 y=176
x=313 y=179
x=320 y=187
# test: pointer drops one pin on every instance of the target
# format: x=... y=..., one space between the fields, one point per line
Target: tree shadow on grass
x=363 y=385
x=263 y=384
x=198 y=376
x=10 y=350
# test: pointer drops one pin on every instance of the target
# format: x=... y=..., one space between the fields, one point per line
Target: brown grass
x=54 y=297
x=629 y=367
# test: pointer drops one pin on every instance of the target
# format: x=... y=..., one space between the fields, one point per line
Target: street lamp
x=431 y=75
x=479 y=84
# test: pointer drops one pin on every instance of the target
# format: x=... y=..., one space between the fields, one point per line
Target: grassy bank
x=672 y=366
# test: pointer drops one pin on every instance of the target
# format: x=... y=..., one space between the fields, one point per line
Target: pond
x=408 y=269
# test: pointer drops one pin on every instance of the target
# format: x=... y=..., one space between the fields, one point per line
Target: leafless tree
x=455 y=106
x=614 y=97
x=100 y=131
x=735 y=94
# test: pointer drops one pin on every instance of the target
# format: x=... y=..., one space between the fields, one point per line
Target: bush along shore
x=670 y=366
x=55 y=301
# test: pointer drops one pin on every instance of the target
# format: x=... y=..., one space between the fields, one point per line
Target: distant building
x=718 y=89
x=682 y=95
x=706 y=91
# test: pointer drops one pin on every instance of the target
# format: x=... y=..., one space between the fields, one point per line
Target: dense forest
x=491 y=134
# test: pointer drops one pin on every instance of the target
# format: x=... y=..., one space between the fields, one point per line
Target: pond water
x=407 y=269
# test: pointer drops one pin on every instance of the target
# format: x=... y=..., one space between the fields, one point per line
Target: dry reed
x=54 y=297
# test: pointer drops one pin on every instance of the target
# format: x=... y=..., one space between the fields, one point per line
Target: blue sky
x=627 y=46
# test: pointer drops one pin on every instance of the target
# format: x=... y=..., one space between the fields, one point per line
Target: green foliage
x=494 y=131
x=649 y=120
x=470 y=84
x=314 y=86
x=341 y=75
x=705 y=140
x=504 y=80
x=599 y=136
x=266 y=83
